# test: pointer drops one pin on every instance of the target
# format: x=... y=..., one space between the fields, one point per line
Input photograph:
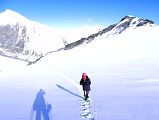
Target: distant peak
x=135 y=21
x=10 y=12
x=9 y=16
x=129 y=17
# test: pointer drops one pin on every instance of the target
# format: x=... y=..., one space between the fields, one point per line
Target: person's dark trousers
x=86 y=96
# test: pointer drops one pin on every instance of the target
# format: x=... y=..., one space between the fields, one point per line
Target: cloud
x=90 y=20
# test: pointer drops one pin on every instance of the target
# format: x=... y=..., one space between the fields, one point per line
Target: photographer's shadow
x=40 y=106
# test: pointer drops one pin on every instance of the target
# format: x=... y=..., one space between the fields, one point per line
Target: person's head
x=42 y=91
x=84 y=76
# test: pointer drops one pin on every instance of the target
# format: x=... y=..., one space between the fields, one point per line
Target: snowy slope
x=128 y=22
x=123 y=70
x=36 y=32
x=83 y=32
x=20 y=36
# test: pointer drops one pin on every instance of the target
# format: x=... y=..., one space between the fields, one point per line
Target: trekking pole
x=49 y=109
x=51 y=118
x=31 y=114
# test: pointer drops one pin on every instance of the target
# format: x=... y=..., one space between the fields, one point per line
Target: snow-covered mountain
x=128 y=22
x=28 y=41
x=24 y=39
x=122 y=62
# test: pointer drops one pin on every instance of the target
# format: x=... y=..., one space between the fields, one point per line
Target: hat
x=83 y=74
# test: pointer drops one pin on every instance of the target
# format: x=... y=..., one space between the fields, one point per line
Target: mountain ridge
x=19 y=39
x=117 y=28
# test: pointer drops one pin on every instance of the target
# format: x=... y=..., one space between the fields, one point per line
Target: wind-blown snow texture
x=123 y=69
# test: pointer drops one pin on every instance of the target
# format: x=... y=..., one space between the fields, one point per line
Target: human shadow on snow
x=40 y=107
x=59 y=86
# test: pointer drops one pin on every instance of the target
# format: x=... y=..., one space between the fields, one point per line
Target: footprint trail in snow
x=87 y=111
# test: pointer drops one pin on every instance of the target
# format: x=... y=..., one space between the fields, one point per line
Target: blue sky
x=77 y=13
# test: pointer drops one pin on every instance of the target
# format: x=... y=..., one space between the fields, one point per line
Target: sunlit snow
x=123 y=70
